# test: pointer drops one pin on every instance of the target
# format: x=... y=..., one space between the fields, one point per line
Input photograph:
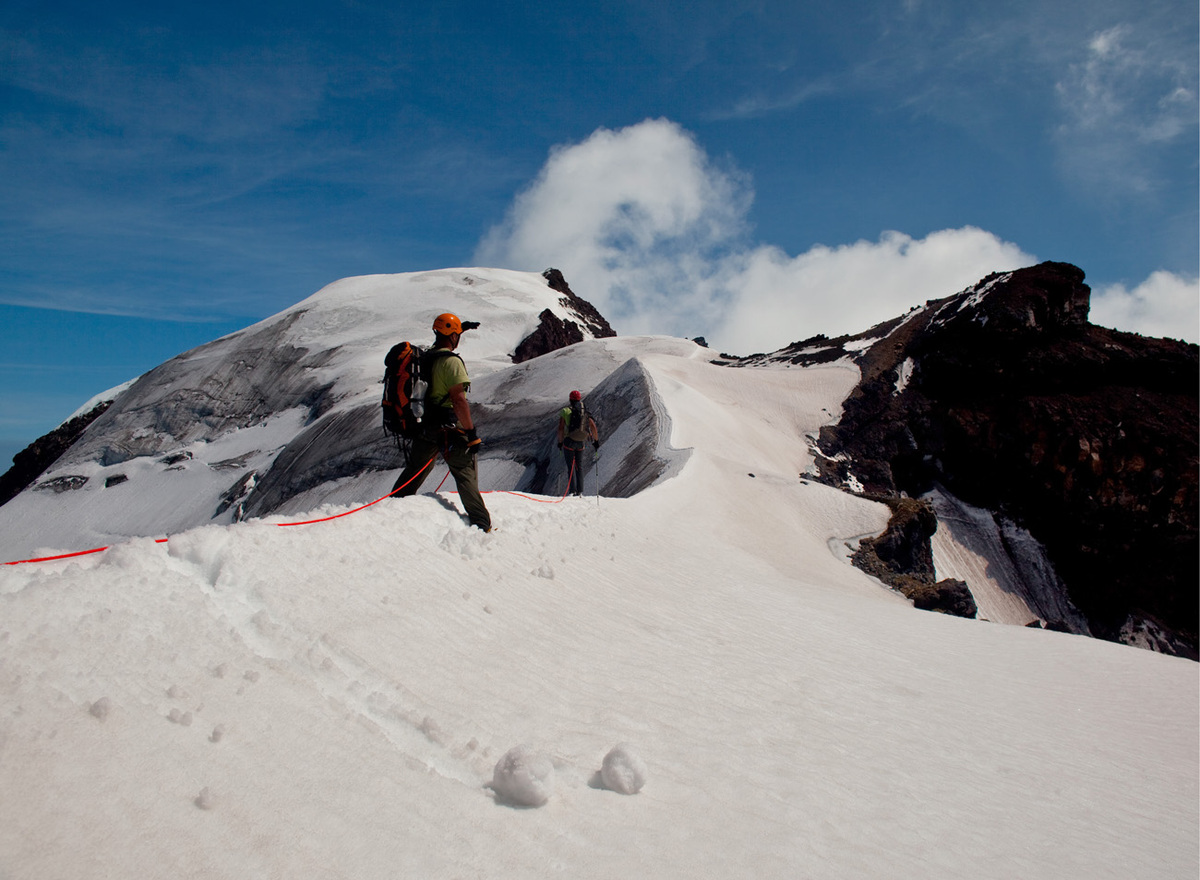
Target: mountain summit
x=243 y=425
x=1004 y=399
x=1032 y=461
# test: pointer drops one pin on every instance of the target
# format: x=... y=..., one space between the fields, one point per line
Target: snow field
x=368 y=674
x=345 y=698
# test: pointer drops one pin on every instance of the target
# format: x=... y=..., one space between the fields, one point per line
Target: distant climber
x=446 y=426
x=575 y=429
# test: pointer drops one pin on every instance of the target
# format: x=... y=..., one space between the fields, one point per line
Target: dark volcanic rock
x=904 y=548
x=902 y=558
x=1085 y=436
x=555 y=333
x=948 y=596
x=32 y=461
x=552 y=334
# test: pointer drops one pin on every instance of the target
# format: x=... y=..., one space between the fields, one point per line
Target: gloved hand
x=595 y=444
x=473 y=441
x=560 y=444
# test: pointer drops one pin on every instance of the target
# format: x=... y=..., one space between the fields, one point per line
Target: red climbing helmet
x=575 y=395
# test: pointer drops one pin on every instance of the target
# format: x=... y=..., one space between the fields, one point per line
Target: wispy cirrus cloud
x=152 y=172
x=764 y=103
x=1131 y=95
x=1110 y=88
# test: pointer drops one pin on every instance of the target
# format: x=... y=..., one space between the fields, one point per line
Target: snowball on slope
x=523 y=778
x=623 y=771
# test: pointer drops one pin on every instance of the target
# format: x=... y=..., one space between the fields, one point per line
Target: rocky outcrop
x=32 y=461
x=902 y=558
x=554 y=332
x=588 y=314
x=1084 y=436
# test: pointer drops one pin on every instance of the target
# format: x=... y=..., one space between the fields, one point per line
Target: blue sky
x=755 y=172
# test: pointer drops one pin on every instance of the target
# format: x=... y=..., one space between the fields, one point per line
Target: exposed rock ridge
x=588 y=314
x=1086 y=437
x=32 y=461
x=554 y=332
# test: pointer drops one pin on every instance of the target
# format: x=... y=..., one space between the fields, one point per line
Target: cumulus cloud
x=655 y=233
x=636 y=219
x=1164 y=304
x=778 y=299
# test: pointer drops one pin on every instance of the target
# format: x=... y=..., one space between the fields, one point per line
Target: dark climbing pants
x=574 y=460
x=463 y=468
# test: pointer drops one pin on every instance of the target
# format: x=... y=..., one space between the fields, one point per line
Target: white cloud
x=646 y=227
x=1164 y=304
x=635 y=219
x=1131 y=95
x=847 y=289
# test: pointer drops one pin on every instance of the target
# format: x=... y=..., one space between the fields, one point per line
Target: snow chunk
x=904 y=373
x=205 y=800
x=100 y=708
x=523 y=777
x=181 y=718
x=623 y=771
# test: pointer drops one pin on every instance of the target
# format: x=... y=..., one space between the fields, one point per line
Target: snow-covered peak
x=255 y=418
x=355 y=319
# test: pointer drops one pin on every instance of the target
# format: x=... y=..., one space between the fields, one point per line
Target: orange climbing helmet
x=446 y=324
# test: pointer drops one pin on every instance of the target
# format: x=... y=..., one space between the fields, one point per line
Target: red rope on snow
x=71 y=555
x=538 y=500
x=310 y=522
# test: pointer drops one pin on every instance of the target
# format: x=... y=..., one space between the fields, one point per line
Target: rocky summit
x=1007 y=398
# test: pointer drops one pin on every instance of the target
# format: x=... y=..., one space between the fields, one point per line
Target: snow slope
x=332 y=700
x=178 y=444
